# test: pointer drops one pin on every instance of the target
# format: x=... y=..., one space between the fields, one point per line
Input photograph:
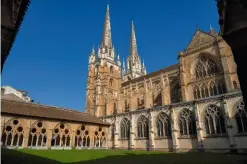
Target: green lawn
x=115 y=156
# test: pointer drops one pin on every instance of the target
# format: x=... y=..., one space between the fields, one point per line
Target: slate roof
x=47 y=112
x=152 y=74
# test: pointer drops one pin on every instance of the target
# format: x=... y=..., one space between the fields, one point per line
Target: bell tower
x=104 y=77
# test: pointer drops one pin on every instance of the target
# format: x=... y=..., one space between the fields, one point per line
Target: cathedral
x=193 y=105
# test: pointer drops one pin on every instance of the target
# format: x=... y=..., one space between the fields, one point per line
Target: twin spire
x=106 y=39
x=106 y=44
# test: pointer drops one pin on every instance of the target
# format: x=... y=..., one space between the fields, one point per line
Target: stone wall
x=23 y=132
x=226 y=138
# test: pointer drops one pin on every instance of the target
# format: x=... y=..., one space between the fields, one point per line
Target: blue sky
x=50 y=56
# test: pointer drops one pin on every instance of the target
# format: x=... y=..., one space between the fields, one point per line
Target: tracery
x=142 y=127
x=82 y=138
x=13 y=134
x=163 y=125
x=125 y=128
x=241 y=117
x=214 y=120
x=187 y=123
x=61 y=135
x=38 y=135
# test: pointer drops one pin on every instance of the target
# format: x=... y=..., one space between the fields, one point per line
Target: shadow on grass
x=17 y=157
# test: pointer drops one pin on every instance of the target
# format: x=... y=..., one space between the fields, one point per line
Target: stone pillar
x=116 y=133
x=131 y=105
x=145 y=94
x=72 y=139
x=175 y=130
x=2 y=127
x=149 y=94
x=162 y=83
x=199 y=124
x=132 y=133
x=224 y=54
x=26 y=136
x=151 y=131
x=182 y=76
x=49 y=138
x=167 y=92
x=229 y=128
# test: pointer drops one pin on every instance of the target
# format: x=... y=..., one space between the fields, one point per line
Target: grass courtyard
x=114 y=156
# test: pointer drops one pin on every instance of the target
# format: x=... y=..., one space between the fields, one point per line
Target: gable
x=199 y=38
x=12 y=97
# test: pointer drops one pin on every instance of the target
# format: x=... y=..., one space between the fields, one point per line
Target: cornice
x=180 y=104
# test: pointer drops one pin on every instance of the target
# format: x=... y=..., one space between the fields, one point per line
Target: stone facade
x=177 y=139
x=35 y=126
x=189 y=106
x=21 y=132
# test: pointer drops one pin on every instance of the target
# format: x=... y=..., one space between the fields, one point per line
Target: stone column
x=116 y=133
x=162 y=83
x=167 y=91
x=222 y=50
x=49 y=138
x=151 y=131
x=132 y=133
x=151 y=94
x=131 y=105
x=229 y=127
x=175 y=130
x=145 y=94
x=2 y=127
x=72 y=139
x=199 y=125
x=26 y=136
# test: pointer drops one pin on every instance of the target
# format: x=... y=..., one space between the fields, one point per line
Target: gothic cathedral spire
x=134 y=67
x=133 y=46
x=106 y=40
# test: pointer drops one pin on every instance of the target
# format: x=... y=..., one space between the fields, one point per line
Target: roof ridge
x=43 y=105
x=162 y=69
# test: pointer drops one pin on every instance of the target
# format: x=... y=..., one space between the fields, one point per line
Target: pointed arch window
x=187 y=123
x=99 y=138
x=241 y=117
x=221 y=87
x=38 y=135
x=214 y=120
x=13 y=134
x=61 y=136
x=111 y=70
x=163 y=125
x=157 y=99
x=111 y=82
x=235 y=85
x=125 y=128
x=82 y=138
x=205 y=67
x=142 y=127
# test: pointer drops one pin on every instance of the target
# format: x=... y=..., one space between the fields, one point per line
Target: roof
x=47 y=112
x=166 y=69
x=196 y=38
x=212 y=32
x=12 y=97
x=24 y=4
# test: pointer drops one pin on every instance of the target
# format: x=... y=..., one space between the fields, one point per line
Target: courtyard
x=26 y=156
